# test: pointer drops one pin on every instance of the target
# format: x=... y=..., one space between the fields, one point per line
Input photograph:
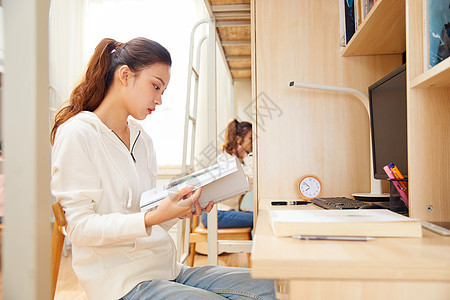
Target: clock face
x=309 y=187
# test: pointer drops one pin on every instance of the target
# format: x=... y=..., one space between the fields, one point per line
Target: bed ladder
x=214 y=246
x=190 y=124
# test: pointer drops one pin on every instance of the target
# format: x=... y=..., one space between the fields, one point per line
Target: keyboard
x=338 y=203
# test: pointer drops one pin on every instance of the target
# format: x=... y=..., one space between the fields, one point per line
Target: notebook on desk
x=351 y=222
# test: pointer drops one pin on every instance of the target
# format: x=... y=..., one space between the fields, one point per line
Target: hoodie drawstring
x=132 y=148
x=134 y=144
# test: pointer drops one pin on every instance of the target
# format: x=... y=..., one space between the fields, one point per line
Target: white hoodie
x=99 y=182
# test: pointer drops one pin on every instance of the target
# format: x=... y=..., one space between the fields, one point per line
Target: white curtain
x=66 y=46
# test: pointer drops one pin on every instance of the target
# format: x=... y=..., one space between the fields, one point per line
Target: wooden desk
x=386 y=268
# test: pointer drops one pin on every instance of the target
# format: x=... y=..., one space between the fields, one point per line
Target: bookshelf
x=381 y=32
x=395 y=26
x=436 y=77
x=428 y=103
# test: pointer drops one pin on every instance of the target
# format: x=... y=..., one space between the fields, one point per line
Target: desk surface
x=426 y=258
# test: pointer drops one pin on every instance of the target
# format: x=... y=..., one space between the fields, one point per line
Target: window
x=168 y=22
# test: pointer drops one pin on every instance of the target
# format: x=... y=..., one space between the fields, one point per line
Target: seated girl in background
x=238 y=143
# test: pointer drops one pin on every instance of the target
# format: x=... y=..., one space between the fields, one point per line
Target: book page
x=202 y=178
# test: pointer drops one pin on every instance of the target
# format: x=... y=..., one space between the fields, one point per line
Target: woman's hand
x=198 y=210
x=177 y=205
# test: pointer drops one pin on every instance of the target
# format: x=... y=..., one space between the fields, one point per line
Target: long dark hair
x=235 y=129
x=109 y=54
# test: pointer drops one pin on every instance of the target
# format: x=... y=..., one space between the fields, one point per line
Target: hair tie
x=118 y=46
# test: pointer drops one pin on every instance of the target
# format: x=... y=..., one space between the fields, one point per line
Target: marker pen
x=290 y=202
x=398 y=175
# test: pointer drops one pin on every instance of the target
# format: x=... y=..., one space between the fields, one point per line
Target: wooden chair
x=58 y=236
x=200 y=234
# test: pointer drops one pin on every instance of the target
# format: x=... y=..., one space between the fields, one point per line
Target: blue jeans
x=230 y=219
x=208 y=283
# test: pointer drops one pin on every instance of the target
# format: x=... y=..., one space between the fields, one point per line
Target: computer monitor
x=387 y=103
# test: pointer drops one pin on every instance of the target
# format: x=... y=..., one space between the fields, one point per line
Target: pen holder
x=398 y=198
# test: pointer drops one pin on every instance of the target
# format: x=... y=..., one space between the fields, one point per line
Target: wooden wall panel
x=302 y=131
x=229 y=2
x=241 y=74
x=237 y=50
x=239 y=63
x=429 y=154
x=234 y=33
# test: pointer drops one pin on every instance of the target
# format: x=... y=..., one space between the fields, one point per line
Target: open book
x=346 y=222
x=220 y=182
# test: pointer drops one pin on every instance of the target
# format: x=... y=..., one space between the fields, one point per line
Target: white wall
x=204 y=155
x=225 y=101
x=243 y=99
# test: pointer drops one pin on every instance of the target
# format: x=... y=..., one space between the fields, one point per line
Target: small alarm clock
x=309 y=187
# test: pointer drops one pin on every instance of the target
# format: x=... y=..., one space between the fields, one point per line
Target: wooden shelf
x=383 y=31
x=436 y=77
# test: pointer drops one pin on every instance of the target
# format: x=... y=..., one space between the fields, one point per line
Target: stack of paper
x=351 y=222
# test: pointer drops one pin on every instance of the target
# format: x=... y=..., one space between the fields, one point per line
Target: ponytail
x=108 y=56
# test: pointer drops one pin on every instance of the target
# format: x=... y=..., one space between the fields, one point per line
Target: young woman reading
x=102 y=161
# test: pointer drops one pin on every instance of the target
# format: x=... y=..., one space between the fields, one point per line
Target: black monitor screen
x=387 y=101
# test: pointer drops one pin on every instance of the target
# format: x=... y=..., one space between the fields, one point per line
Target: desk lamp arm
x=375 y=185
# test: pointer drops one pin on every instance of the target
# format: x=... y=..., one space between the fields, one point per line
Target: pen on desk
x=290 y=202
x=333 y=238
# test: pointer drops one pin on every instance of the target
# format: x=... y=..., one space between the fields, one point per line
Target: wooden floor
x=68 y=287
